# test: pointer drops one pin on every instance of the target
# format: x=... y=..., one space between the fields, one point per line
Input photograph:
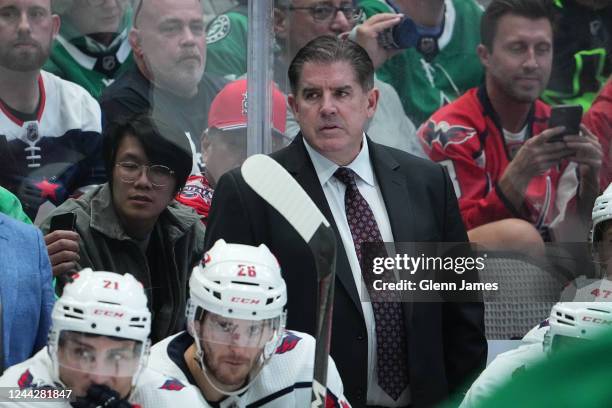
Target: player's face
x=520 y=61
x=171 y=37
x=138 y=204
x=605 y=248
x=97 y=16
x=332 y=108
x=27 y=29
x=232 y=348
x=86 y=360
x=298 y=27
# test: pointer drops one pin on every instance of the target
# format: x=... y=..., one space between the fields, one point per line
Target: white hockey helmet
x=236 y=284
x=602 y=211
x=103 y=304
x=571 y=322
x=238 y=281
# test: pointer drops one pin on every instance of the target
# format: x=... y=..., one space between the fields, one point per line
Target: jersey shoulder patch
x=219 y=29
x=288 y=343
x=445 y=134
x=172 y=384
x=25 y=380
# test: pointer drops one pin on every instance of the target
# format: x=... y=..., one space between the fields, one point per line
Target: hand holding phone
x=568 y=116
x=63 y=222
x=63 y=244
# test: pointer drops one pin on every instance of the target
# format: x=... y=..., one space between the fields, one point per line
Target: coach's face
x=332 y=109
x=27 y=29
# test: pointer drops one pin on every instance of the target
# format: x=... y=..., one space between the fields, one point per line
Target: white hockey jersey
x=583 y=289
x=58 y=151
x=507 y=365
x=284 y=382
x=37 y=373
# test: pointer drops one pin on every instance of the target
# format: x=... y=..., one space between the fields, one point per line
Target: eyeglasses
x=157 y=174
x=322 y=12
x=98 y=3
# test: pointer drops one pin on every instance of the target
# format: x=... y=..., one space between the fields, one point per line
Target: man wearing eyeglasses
x=131 y=224
x=296 y=22
x=92 y=47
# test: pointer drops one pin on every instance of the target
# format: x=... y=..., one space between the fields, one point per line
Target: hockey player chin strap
x=101 y=396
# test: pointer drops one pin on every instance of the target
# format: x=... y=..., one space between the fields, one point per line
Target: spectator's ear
x=483 y=54
x=136 y=42
x=57 y=22
x=281 y=23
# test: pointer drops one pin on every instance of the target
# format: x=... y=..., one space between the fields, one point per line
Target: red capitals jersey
x=599 y=121
x=466 y=137
x=197 y=194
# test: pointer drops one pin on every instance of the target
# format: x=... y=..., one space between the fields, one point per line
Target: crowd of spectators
x=121 y=120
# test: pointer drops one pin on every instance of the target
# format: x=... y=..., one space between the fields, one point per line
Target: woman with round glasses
x=132 y=223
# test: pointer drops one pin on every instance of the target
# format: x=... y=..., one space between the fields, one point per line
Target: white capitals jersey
x=583 y=289
x=507 y=365
x=37 y=373
x=284 y=382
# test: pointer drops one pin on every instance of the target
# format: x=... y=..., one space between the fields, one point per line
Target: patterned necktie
x=390 y=331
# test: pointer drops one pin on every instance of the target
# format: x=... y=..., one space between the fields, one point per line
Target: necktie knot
x=346 y=176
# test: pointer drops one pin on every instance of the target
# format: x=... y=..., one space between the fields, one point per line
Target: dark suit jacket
x=446 y=342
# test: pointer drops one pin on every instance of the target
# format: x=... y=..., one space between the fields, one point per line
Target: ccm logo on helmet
x=597 y=320
x=108 y=313
x=248 y=301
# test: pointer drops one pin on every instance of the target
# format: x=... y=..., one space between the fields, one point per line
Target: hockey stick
x=279 y=189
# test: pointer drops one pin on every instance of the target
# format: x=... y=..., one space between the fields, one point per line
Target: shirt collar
x=326 y=168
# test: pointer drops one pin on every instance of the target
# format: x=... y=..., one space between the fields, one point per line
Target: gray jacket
x=176 y=245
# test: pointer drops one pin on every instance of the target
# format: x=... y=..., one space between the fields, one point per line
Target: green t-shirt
x=87 y=63
x=226 y=44
x=424 y=87
x=11 y=206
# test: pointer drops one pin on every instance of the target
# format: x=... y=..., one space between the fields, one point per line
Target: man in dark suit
x=438 y=346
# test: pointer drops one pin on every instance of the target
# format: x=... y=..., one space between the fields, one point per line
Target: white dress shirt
x=334 y=191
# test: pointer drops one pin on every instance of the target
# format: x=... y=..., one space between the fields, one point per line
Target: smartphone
x=63 y=222
x=569 y=116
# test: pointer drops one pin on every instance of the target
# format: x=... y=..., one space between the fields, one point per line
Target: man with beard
x=168 y=40
x=50 y=139
x=236 y=351
x=517 y=186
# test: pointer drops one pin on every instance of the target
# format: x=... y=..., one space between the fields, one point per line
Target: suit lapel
x=298 y=164
x=394 y=189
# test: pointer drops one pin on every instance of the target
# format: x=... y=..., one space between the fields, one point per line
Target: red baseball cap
x=228 y=110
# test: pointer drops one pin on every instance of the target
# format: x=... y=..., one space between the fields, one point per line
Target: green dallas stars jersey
x=85 y=62
x=425 y=87
x=226 y=41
